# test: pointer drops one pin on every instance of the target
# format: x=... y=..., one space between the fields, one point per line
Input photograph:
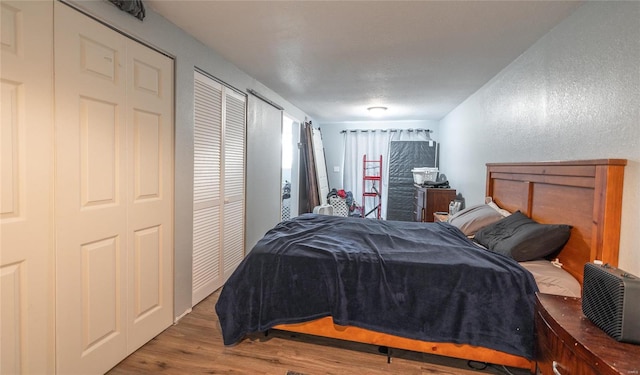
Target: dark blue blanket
x=416 y=280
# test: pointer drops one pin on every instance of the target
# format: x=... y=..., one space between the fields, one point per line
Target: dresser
x=568 y=343
x=426 y=201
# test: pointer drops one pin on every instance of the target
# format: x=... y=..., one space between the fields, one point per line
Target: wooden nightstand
x=426 y=201
x=568 y=343
x=440 y=217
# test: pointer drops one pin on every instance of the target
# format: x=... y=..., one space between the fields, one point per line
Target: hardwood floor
x=194 y=346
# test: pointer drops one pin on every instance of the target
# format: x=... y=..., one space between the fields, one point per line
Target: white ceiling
x=333 y=59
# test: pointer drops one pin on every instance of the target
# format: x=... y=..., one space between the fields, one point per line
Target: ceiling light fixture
x=376 y=111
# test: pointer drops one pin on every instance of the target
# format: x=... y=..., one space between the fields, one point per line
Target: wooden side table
x=426 y=201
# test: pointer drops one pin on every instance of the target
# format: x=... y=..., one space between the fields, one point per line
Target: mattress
x=424 y=281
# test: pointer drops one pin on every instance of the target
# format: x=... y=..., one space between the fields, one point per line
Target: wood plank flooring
x=194 y=346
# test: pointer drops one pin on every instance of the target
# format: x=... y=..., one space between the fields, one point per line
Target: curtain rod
x=264 y=99
x=387 y=130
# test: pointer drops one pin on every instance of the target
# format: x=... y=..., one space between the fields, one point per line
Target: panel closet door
x=218 y=196
x=114 y=194
x=150 y=178
x=26 y=194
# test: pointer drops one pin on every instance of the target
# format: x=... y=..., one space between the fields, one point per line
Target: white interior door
x=114 y=194
x=26 y=146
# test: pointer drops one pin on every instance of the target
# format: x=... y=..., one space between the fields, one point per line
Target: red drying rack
x=372 y=172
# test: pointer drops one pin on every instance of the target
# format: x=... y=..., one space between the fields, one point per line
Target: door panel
x=147 y=272
x=207 y=187
x=264 y=169
x=99 y=267
x=150 y=193
x=234 y=140
x=91 y=206
x=147 y=157
x=233 y=235
x=99 y=152
x=26 y=167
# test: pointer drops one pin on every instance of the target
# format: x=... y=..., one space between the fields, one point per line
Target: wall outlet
x=336 y=168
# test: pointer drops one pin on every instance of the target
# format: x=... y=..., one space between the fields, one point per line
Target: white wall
x=189 y=53
x=575 y=94
x=333 y=140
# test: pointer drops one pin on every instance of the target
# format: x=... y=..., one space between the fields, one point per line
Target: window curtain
x=357 y=144
x=412 y=135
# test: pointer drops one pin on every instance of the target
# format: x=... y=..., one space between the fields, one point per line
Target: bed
x=584 y=195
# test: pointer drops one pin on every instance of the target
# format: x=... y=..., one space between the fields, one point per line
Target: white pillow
x=490 y=203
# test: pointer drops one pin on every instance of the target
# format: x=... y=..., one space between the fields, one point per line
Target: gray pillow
x=523 y=239
x=473 y=218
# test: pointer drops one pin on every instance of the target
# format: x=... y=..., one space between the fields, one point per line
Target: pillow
x=523 y=239
x=473 y=218
x=489 y=201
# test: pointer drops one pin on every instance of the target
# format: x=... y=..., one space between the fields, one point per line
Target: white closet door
x=218 y=196
x=114 y=194
x=234 y=135
x=91 y=198
x=264 y=169
x=26 y=146
x=207 y=202
x=149 y=200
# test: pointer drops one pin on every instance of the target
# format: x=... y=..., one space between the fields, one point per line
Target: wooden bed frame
x=585 y=194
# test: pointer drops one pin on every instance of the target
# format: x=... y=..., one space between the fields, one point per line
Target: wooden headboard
x=586 y=194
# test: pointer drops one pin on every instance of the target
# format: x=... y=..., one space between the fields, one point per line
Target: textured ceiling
x=333 y=59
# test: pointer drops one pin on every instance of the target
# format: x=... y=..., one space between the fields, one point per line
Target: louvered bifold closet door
x=218 y=184
x=234 y=172
x=207 y=273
